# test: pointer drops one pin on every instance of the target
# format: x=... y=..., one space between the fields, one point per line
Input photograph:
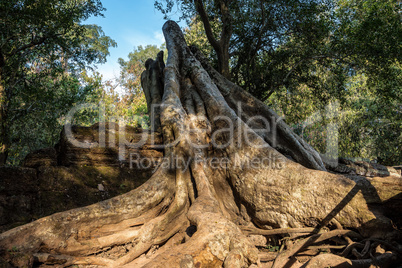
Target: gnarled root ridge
x=222 y=197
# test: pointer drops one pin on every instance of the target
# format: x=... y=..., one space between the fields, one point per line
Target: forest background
x=297 y=56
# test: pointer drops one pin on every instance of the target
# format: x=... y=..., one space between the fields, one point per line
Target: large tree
x=220 y=181
x=303 y=55
x=41 y=41
x=246 y=35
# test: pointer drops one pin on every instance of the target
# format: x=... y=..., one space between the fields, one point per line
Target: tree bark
x=152 y=84
x=220 y=46
x=220 y=181
x=4 y=138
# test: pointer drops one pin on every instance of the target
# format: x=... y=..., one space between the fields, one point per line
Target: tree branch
x=32 y=44
x=268 y=95
x=207 y=25
x=227 y=23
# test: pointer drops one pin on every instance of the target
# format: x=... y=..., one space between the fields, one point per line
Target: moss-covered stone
x=63 y=188
x=68 y=176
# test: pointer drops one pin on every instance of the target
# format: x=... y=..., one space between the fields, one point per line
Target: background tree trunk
x=220 y=46
x=209 y=196
x=4 y=139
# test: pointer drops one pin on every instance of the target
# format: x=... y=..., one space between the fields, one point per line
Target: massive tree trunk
x=221 y=189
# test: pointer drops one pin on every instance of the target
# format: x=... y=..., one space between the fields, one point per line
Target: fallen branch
x=283 y=258
x=281 y=231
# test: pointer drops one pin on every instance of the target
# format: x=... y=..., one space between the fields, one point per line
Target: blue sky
x=130 y=23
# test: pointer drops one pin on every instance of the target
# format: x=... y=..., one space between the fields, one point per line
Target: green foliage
x=369 y=36
x=133 y=106
x=369 y=129
x=300 y=56
x=44 y=48
x=122 y=102
x=44 y=111
x=195 y=36
x=273 y=42
x=130 y=70
x=186 y=8
x=259 y=60
x=44 y=31
x=272 y=248
x=362 y=71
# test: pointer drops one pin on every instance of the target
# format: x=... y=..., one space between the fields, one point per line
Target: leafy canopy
x=299 y=56
x=44 y=48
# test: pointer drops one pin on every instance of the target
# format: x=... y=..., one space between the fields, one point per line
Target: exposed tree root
x=208 y=195
x=283 y=258
x=280 y=231
x=65 y=261
x=330 y=260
